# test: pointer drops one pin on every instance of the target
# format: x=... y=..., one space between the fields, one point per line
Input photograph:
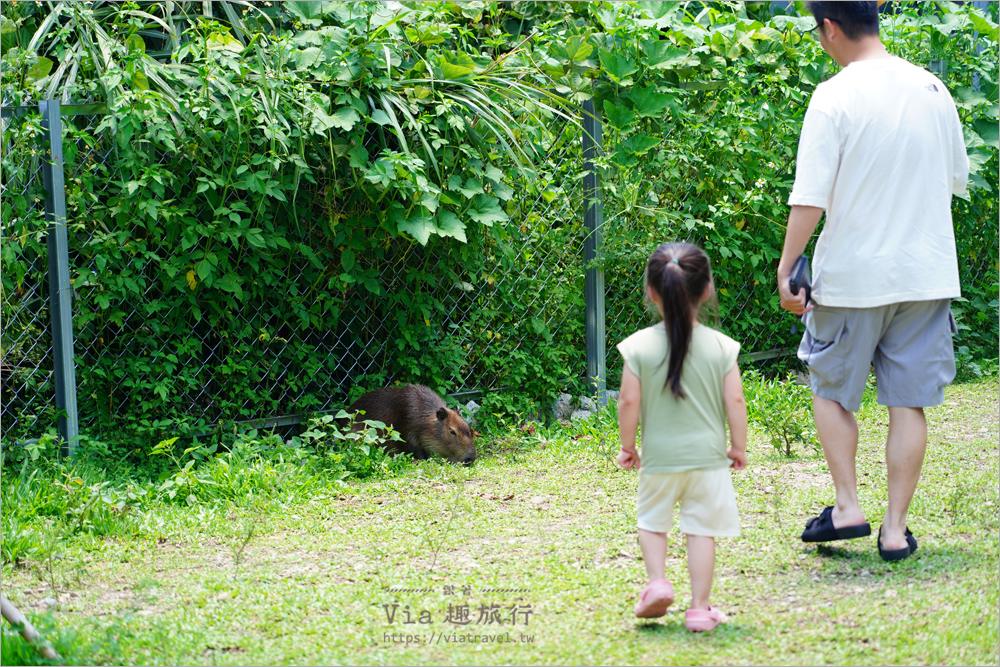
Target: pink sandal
x=654 y=599
x=702 y=620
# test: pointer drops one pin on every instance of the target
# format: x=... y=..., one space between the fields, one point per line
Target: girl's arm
x=629 y=401
x=736 y=414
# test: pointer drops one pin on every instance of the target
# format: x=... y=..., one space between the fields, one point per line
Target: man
x=881 y=152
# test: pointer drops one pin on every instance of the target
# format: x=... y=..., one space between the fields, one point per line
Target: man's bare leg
x=838 y=433
x=904 y=456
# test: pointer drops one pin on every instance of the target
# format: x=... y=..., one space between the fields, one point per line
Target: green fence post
x=60 y=292
x=593 y=220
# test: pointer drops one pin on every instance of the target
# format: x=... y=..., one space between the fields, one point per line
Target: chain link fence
x=28 y=382
x=129 y=354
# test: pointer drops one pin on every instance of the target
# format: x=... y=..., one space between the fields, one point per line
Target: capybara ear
x=442 y=414
x=476 y=434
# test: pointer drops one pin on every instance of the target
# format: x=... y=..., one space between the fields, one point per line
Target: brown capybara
x=424 y=422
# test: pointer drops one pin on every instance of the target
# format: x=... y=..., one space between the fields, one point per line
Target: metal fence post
x=60 y=293
x=593 y=220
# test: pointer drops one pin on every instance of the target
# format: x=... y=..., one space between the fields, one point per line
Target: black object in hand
x=800 y=278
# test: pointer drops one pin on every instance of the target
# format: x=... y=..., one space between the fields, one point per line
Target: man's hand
x=802 y=221
x=795 y=303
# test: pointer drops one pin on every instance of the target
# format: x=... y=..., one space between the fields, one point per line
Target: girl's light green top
x=687 y=433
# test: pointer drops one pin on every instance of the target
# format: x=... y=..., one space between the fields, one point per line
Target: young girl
x=681 y=379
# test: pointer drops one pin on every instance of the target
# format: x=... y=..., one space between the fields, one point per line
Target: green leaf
x=649 y=103
x=950 y=23
x=781 y=22
x=230 y=283
x=381 y=117
x=664 y=55
x=307 y=57
x=639 y=144
x=618 y=116
x=972 y=139
x=486 y=209
x=984 y=25
x=347 y=260
x=309 y=12
x=577 y=48
x=503 y=191
x=450 y=225
x=135 y=44
x=618 y=66
x=471 y=188
x=383 y=171
x=456 y=65
x=658 y=10
x=254 y=238
x=472 y=10
x=140 y=81
x=420 y=226
x=813 y=74
x=358 y=157
x=429 y=200
x=769 y=34
x=977 y=158
x=40 y=68
x=424 y=34
x=608 y=16
x=224 y=42
x=968 y=98
x=989 y=131
x=344 y=118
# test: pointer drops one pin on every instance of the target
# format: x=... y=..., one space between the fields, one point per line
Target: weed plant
x=783 y=408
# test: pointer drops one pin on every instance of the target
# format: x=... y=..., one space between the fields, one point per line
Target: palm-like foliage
x=100 y=51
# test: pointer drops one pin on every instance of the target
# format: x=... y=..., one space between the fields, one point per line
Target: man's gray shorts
x=909 y=343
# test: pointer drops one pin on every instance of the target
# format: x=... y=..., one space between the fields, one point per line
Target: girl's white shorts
x=707 y=498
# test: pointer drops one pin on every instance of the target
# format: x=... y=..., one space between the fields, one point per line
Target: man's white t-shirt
x=882 y=151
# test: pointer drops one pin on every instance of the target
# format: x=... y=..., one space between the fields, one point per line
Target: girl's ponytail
x=679 y=274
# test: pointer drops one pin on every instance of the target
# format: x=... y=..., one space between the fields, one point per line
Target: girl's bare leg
x=701 y=567
x=654 y=553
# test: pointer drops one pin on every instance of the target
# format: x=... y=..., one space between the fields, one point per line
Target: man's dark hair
x=856 y=19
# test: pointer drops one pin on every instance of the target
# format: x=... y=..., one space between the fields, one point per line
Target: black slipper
x=820 y=529
x=911 y=540
x=890 y=555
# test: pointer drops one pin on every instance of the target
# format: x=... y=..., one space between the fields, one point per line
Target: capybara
x=423 y=421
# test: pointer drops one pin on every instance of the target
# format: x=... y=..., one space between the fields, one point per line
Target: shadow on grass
x=671 y=627
x=838 y=553
x=928 y=559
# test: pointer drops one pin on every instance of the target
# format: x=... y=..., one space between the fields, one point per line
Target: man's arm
x=802 y=223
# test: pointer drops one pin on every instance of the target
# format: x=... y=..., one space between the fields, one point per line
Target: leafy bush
x=18 y=541
x=347 y=446
x=264 y=466
x=259 y=467
x=783 y=409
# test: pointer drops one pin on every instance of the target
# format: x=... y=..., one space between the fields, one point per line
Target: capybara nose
x=469 y=458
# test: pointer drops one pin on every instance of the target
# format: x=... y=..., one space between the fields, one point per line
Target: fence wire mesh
x=25 y=336
x=133 y=355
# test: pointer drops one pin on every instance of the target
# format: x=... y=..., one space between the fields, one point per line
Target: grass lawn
x=544 y=529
